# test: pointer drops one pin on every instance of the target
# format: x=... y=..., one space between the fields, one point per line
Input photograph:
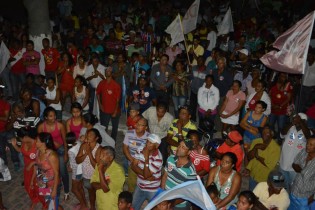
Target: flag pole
x=185 y=43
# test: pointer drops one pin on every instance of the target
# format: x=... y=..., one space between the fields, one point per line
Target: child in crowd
x=213 y=193
x=77 y=182
x=134 y=116
x=125 y=201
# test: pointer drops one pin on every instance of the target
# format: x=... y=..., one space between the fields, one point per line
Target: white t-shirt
x=293 y=143
x=90 y=72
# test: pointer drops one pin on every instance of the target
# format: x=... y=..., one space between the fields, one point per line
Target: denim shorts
x=78 y=177
x=87 y=183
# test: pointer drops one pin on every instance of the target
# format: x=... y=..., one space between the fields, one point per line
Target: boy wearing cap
x=295 y=135
x=179 y=169
x=148 y=167
x=232 y=144
x=133 y=117
x=272 y=193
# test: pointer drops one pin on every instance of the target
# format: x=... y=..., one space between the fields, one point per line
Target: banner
x=190 y=19
x=4 y=56
x=176 y=31
x=226 y=25
x=293 y=48
x=193 y=191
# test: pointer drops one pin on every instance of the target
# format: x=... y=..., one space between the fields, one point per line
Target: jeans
x=193 y=102
x=4 y=136
x=5 y=76
x=18 y=80
x=139 y=196
x=91 y=99
x=252 y=184
x=281 y=120
x=63 y=169
x=288 y=178
x=105 y=118
x=178 y=101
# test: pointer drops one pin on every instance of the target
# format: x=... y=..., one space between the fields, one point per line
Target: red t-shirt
x=201 y=162
x=236 y=149
x=18 y=66
x=51 y=57
x=4 y=107
x=110 y=93
x=74 y=54
x=131 y=123
x=277 y=97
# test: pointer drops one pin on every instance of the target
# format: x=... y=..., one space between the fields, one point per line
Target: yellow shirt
x=199 y=50
x=173 y=130
x=271 y=154
x=116 y=176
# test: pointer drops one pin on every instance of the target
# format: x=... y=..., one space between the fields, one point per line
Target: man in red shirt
x=17 y=68
x=51 y=57
x=4 y=134
x=232 y=144
x=108 y=94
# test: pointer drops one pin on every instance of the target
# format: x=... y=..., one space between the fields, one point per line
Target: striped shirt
x=134 y=142
x=155 y=166
x=173 y=130
x=177 y=175
x=304 y=185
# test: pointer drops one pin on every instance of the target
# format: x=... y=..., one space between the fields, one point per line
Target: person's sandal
x=67 y=195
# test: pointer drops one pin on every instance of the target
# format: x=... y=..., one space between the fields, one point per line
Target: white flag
x=190 y=19
x=4 y=56
x=175 y=30
x=226 y=25
x=293 y=48
x=193 y=191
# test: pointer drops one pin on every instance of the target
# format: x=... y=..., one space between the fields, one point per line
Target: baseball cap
x=235 y=136
x=135 y=106
x=302 y=116
x=189 y=144
x=276 y=178
x=111 y=57
x=244 y=51
x=153 y=138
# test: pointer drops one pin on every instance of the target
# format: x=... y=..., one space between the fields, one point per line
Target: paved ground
x=15 y=197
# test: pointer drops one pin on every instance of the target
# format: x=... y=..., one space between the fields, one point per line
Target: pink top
x=234 y=100
x=75 y=128
x=27 y=56
x=45 y=172
x=56 y=134
x=87 y=168
x=172 y=54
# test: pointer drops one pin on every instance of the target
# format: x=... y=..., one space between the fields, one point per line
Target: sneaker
x=67 y=195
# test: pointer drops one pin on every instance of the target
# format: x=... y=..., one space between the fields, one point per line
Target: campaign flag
x=293 y=48
x=4 y=56
x=176 y=31
x=190 y=19
x=226 y=25
x=193 y=191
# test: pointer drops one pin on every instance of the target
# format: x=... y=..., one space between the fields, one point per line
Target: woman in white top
x=80 y=68
x=52 y=97
x=81 y=93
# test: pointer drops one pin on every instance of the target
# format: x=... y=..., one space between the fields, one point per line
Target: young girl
x=77 y=183
x=48 y=170
x=88 y=155
x=80 y=93
x=58 y=133
x=246 y=201
x=52 y=97
x=251 y=123
x=74 y=124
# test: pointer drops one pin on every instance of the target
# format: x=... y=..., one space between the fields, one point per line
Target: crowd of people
x=117 y=60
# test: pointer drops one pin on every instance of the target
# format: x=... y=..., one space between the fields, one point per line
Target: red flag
x=293 y=47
